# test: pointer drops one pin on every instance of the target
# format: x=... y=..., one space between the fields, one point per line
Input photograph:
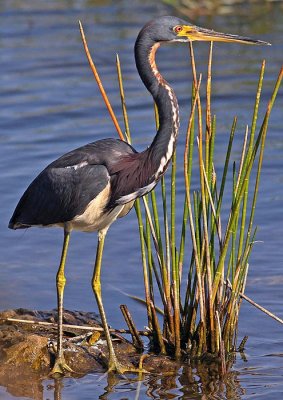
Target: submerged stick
x=241 y=348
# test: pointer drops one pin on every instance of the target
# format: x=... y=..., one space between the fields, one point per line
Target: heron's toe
x=60 y=367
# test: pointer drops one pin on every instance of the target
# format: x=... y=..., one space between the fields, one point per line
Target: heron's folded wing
x=57 y=195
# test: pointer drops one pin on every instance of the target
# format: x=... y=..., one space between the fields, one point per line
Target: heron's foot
x=115 y=366
x=60 y=367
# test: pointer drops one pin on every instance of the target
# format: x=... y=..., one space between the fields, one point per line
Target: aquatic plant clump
x=201 y=274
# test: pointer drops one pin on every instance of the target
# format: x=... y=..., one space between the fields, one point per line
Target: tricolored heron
x=88 y=188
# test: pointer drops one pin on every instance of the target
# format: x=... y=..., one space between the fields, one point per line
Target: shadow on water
x=49 y=104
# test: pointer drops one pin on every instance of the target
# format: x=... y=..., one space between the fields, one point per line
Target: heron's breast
x=95 y=217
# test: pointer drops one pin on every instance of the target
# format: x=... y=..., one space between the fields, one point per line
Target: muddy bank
x=27 y=349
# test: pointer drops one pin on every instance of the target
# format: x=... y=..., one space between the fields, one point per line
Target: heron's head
x=173 y=29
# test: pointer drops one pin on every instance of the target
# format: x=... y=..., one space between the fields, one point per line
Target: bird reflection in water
x=186 y=382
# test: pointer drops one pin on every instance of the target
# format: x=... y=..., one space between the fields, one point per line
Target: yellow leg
x=60 y=365
x=96 y=286
x=113 y=364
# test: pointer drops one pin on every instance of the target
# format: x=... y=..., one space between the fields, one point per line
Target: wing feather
x=65 y=187
x=57 y=195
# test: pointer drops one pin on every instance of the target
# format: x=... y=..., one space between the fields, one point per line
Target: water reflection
x=188 y=382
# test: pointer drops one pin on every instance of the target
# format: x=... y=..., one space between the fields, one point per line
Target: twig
x=142 y=301
x=99 y=83
x=269 y=313
x=248 y=299
x=137 y=342
x=68 y=326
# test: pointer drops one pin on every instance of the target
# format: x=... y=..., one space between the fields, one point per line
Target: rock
x=29 y=350
x=25 y=345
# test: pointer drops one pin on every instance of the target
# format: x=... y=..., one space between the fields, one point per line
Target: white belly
x=95 y=218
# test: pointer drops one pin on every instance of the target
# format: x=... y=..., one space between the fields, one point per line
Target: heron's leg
x=113 y=364
x=60 y=365
x=96 y=286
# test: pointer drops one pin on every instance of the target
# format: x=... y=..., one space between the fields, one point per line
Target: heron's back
x=65 y=189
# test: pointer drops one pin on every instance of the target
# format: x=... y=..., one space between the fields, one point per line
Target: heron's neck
x=163 y=144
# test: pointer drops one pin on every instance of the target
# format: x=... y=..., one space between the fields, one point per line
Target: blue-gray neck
x=163 y=144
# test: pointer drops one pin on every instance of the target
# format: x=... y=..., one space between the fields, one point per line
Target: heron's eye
x=178 y=28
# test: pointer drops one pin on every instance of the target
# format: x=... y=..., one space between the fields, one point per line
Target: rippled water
x=50 y=104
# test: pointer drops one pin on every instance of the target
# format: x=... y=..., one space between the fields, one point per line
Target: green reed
x=199 y=275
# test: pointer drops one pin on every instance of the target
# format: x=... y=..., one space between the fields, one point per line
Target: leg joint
x=61 y=281
x=96 y=286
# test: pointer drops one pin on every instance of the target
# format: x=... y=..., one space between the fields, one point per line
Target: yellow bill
x=194 y=33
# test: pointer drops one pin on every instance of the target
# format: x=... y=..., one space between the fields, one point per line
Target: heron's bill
x=201 y=34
